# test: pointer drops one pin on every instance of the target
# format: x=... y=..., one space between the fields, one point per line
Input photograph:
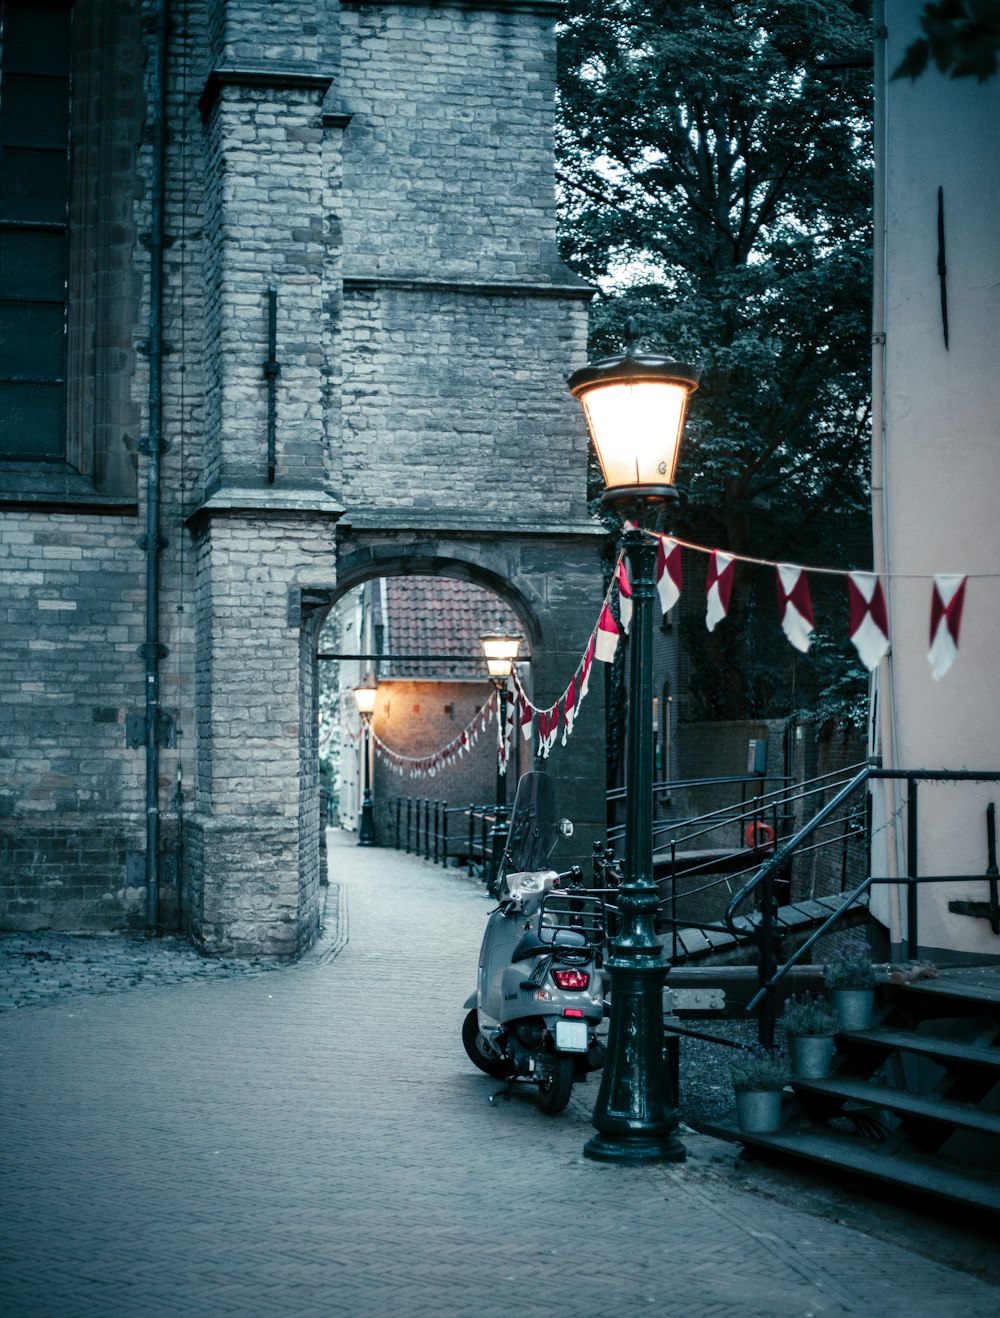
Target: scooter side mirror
x=566 y=828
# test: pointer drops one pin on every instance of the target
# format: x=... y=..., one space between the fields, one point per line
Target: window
x=71 y=116
x=34 y=199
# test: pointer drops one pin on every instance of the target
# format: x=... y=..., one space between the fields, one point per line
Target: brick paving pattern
x=314 y=1141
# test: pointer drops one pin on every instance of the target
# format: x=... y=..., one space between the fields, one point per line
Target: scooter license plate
x=571 y=1036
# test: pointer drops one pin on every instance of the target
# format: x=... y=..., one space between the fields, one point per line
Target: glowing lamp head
x=364 y=698
x=635 y=407
x=501 y=650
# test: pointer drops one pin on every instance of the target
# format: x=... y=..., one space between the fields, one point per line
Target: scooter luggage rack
x=572 y=912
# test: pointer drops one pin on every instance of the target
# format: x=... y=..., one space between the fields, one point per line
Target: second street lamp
x=635 y=406
x=364 y=698
x=501 y=650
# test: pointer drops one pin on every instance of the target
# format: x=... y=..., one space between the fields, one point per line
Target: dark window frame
x=103 y=294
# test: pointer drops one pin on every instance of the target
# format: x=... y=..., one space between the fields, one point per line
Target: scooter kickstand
x=504 y=1093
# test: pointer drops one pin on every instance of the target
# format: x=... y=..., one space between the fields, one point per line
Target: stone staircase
x=913 y=1101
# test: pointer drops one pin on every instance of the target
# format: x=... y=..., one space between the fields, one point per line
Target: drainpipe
x=152 y=651
x=886 y=712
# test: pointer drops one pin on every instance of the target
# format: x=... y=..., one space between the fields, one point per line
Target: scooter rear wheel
x=553 y=1094
x=479 y=1051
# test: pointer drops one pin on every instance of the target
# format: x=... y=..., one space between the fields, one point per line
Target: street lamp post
x=364 y=697
x=635 y=406
x=501 y=650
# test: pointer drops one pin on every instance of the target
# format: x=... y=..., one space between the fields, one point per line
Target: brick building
x=281 y=313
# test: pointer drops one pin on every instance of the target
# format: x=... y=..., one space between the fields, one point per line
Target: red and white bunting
x=548 y=728
x=869 y=621
x=607 y=637
x=721 y=569
x=795 y=606
x=569 y=709
x=624 y=596
x=585 y=667
x=947 y=602
x=669 y=579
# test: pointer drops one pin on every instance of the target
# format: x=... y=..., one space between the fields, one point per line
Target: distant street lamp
x=635 y=406
x=501 y=650
x=364 y=697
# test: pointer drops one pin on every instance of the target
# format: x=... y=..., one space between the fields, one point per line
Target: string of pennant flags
x=868 y=625
x=427 y=766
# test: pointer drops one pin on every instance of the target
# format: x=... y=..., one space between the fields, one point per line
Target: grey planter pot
x=811 y=1055
x=853 y=1007
x=758 y=1111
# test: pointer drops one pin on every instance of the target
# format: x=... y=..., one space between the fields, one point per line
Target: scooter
x=540 y=995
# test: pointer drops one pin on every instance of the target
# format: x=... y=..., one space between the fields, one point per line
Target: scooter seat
x=531 y=945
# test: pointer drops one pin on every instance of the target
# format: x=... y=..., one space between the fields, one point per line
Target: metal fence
x=457 y=836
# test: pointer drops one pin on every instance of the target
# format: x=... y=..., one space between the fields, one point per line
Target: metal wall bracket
x=145 y=541
x=166 y=729
x=151 y=650
x=135 y=869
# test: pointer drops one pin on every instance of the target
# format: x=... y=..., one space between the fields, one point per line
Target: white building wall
x=936 y=468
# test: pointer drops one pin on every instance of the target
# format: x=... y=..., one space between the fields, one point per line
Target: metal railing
x=759 y=889
x=441 y=833
x=703 y=858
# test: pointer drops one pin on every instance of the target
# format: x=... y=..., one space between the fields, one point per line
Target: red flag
x=719 y=587
x=947 y=602
x=668 y=572
x=795 y=606
x=588 y=660
x=607 y=637
x=569 y=708
x=869 y=620
x=624 y=596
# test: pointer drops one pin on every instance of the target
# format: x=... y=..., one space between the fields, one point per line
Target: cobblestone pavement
x=312 y=1140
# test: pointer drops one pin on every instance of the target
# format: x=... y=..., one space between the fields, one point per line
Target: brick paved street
x=314 y=1141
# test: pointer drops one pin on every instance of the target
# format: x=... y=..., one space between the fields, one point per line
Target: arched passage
x=253 y=856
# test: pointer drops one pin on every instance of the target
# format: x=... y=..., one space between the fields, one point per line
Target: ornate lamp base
x=634 y=1116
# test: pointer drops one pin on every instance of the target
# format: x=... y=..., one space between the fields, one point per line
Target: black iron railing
x=758 y=894
x=703 y=859
x=445 y=834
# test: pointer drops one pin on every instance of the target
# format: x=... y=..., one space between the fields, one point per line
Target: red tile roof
x=438 y=616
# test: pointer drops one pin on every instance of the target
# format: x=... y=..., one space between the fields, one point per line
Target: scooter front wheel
x=553 y=1093
x=479 y=1050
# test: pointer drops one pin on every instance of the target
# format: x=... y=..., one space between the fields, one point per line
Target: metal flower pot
x=811 y=1055
x=853 y=1007
x=758 y=1111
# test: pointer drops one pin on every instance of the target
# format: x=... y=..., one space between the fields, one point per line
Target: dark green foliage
x=716 y=183
x=961 y=36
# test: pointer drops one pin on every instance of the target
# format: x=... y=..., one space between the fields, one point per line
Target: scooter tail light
x=574 y=1013
x=571 y=979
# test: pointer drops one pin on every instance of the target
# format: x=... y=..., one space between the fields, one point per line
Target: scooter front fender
x=472 y=1000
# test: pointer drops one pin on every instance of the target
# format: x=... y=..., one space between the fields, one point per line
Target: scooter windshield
x=533 y=829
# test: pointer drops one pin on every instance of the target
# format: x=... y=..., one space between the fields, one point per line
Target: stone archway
x=252 y=849
x=553 y=581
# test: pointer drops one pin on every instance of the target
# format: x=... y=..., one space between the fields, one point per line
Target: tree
x=716 y=177
x=961 y=36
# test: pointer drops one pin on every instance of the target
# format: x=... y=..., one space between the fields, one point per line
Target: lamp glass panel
x=501 y=650
x=636 y=427
x=365 y=698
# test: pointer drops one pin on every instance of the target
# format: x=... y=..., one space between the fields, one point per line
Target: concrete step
x=924 y=1106
x=945 y=1051
x=830 y=1149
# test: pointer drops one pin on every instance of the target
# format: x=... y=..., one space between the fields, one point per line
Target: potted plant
x=759 y=1075
x=849 y=976
x=810 y=1026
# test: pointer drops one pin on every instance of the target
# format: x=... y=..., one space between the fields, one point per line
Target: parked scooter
x=539 y=997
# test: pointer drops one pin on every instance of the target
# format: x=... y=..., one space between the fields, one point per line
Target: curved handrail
x=783 y=852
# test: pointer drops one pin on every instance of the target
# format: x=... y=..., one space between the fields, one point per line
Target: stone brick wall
x=449 y=156
x=388 y=169
x=68 y=674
